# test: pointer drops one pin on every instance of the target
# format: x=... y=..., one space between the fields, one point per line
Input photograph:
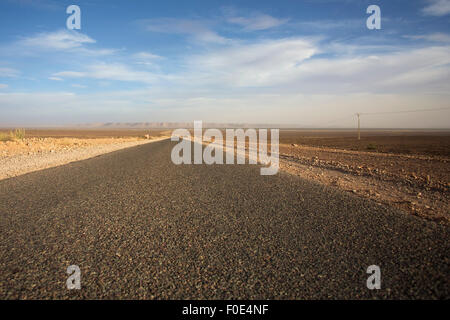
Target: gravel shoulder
x=33 y=154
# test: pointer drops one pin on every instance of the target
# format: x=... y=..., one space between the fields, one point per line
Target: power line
x=404 y=111
x=327 y=123
x=338 y=120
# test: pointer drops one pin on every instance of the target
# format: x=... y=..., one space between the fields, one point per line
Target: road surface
x=141 y=227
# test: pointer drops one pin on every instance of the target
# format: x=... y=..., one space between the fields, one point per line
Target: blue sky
x=312 y=63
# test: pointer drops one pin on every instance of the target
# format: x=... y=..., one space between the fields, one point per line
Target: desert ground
x=45 y=148
x=406 y=169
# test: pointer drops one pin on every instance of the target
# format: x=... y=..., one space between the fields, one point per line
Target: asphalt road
x=139 y=226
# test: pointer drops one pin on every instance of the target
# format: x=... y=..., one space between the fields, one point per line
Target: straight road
x=139 y=226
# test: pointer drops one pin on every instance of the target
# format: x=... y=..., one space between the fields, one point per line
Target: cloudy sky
x=312 y=63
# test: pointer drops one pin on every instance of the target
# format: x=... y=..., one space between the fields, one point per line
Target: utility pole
x=359 y=128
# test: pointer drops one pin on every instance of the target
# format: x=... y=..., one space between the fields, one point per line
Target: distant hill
x=174 y=125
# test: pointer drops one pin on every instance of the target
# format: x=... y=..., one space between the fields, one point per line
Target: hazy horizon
x=174 y=125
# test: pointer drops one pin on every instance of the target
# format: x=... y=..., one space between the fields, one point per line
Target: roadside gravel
x=21 y=163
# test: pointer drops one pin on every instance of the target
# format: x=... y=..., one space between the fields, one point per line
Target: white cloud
x=147 y=59
x=266 y=63
x=197 y=29
x=3 y=86
x=437 y=8
x=105 y=71
x=69 y=74
x=257 y=22
x=389 y=72
x=55 y=78
x=63 y=40
x=435 y=37
x=9 y=72
x=147 y=56
x=292 y=65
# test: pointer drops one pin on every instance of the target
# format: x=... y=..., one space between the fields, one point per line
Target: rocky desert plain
x=406 y=169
